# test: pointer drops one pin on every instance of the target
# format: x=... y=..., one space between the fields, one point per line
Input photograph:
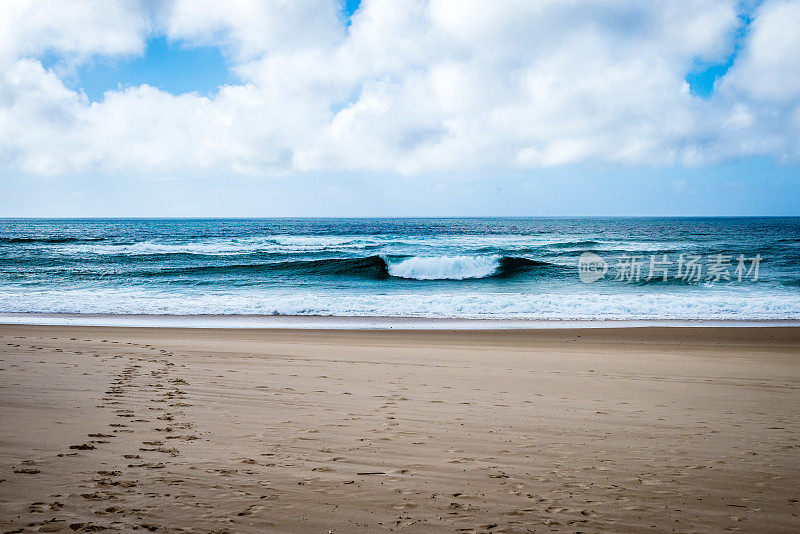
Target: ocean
x=478 y=268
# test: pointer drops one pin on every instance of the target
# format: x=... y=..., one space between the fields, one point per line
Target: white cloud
x=77 y=29
x=410 y=87
x=253 y=27
x=760 y=95
x=769 y=67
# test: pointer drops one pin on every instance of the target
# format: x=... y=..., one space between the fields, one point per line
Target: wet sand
x=591 y=430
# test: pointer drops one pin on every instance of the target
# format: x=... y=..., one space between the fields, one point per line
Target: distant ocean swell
x=48 y=240
x=387 y=245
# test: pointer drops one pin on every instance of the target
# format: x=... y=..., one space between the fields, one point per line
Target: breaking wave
x=376 y=267
x=459 y=267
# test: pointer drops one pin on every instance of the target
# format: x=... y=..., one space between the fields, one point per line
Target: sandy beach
x=225 y=430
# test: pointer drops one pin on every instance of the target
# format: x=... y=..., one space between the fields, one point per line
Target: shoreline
x=326 y=322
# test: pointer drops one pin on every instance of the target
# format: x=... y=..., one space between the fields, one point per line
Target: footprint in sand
x=157 y=465
x=27 y=471
x=85 y=527
x=251 y=510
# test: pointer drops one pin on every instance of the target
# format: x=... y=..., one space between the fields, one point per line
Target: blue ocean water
x=646 y=268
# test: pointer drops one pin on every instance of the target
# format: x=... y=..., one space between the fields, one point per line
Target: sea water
x=485 y=268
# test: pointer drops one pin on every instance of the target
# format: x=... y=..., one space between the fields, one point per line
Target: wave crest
x=444 y=267
x=458 y=267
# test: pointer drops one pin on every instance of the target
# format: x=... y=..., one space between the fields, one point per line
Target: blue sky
x=703 y=76
x=349 y=7
x=750 y=187
x=170 y=66
x=173 y=66
x=687 y=168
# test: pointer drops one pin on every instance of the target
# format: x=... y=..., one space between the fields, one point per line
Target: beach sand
x=578 y=430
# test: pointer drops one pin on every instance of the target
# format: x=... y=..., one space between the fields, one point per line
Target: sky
x=399 y=107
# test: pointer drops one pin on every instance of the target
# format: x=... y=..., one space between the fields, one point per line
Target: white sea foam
x=733 y=305
x=384 y=244
x=444 y=267
x=227 y=247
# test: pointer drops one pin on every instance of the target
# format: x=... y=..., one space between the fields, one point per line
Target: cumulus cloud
x=74 y=29
x=410 y=86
